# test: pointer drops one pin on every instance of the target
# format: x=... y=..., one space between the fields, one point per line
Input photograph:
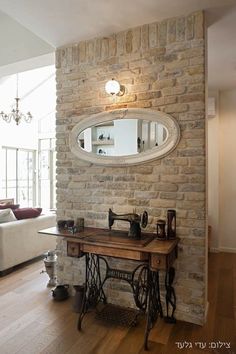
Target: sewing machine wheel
x=144 y=219
x=141 y=289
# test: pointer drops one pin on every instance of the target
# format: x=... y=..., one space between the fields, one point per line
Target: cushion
x=7 y=201
x=7 y=215
x=9 y=206
x=27 y=213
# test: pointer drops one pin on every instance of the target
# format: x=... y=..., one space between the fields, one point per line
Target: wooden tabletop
x=115 y=239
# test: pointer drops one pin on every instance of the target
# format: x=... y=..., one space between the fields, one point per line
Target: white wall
x=213 y=173
x=18 y=43
x=126 y=133
x=227 y=229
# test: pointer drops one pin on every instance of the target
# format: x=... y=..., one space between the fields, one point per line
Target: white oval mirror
x=125 y=136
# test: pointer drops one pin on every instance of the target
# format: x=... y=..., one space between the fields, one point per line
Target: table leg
x=170 y=295
x=93 y=286
x=154 y=307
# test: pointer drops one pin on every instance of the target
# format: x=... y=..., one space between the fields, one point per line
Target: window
x=47 y=175
x=27 y=148
x=19 y=180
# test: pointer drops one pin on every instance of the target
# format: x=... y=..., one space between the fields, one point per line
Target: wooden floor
x=31 y=322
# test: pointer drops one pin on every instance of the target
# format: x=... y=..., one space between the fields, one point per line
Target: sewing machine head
x=134 y=219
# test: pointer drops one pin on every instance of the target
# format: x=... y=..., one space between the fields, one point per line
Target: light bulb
x=112 y=87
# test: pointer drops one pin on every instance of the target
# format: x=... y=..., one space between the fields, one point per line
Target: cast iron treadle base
x=118 y=315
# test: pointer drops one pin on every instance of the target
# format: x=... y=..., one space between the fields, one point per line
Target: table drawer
x=158 y=261
x=73 y=249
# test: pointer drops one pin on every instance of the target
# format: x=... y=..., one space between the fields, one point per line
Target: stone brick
x=176 y=90
x=82 y=51
x=175 y=179
x=195 y=196
x=171 y=30
x=112 y=46
x=170 y=195
x=160 y=84
x=190 y=27
x=153 y=35
x=180 y=29
x=136 y=39
x=168 y=187
x=177 y=64
x=192 y=97
x=128 y=44
x=192 y=53
x=145 y=79
x=192 y=187
x=148 y=95
x=161 y=203
x=178 y=107
x=120 y=43
x=144 y=37
x=138 y=88
x=198 y=25
x=105 y=48
x=178 y=161
x=162 y=33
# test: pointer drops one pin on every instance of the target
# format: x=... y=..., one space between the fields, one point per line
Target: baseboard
x=7 y=271
x=214 y=250
x=222 y=249
x=227 y=249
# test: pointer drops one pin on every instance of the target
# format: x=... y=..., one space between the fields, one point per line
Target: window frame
x=5 y=150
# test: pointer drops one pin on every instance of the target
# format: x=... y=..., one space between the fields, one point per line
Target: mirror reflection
x=122 y=137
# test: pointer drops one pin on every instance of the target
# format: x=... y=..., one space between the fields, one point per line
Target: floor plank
x=32 y=323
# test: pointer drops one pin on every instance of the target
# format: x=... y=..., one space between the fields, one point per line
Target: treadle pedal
x=118 y=315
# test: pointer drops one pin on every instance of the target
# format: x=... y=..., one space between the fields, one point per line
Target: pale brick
x=178 y=107
x=170 y=195
x=112 y=46
x=148 y=95
x=160 y=84
x=144 y=37
x=160 y=203
x=162 y=33
x=171 y=30
x=192 y=97
x=128 y=43
x=195 y=196
x=105 y=48
x=180 y=29
x=82 y=51
x=176 y=90
x=136 y=39
x=198 y=25
x=190 y=27
x=153 y=35
x=168 y=187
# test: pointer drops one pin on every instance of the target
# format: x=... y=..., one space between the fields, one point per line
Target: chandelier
x=16 y=114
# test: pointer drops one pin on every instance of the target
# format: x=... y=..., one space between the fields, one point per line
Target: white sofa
x=20 y=241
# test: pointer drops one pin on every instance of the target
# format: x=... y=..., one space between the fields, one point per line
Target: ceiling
x=55 y=23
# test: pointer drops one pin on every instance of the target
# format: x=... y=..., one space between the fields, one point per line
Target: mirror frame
x=130 y=113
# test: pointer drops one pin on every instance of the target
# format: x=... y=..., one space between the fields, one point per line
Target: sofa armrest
x=20 y=241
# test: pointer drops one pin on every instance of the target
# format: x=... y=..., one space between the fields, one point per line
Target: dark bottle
x=161 y=232
x=171 y=224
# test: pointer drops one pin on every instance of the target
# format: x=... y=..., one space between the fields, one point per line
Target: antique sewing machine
x=134 y=219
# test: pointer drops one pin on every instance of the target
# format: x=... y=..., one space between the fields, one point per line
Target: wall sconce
x=113 y=87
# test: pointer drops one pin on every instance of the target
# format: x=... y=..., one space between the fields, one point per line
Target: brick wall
x=162 y=66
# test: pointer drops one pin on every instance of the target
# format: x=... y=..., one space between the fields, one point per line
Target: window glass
x=37 y=92
x=19 y=182
x=47 y=176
